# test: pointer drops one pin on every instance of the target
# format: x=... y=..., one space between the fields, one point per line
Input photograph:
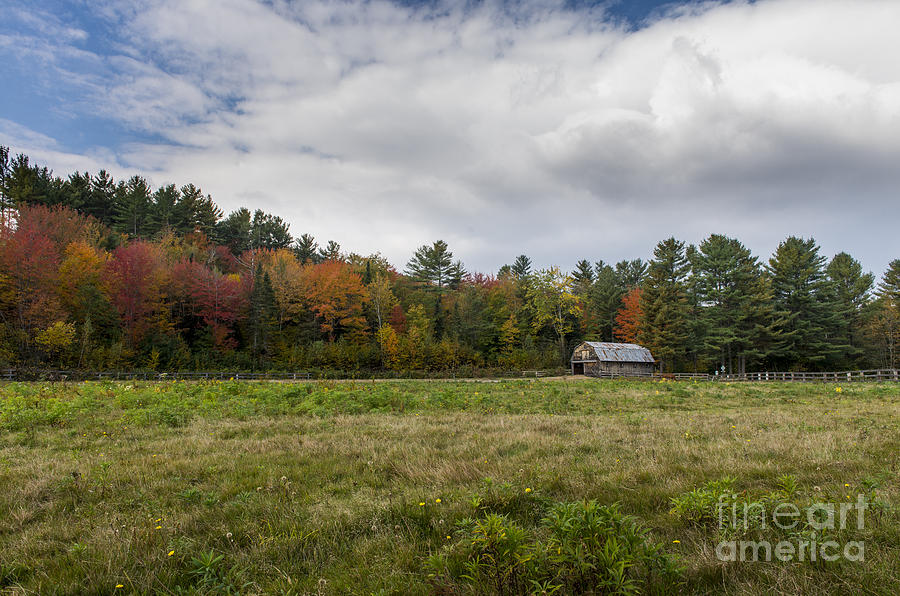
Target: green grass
x=333 y=487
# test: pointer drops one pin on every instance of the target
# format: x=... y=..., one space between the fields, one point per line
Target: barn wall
x=618 y=368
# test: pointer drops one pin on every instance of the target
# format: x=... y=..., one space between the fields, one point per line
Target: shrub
x=577 y=548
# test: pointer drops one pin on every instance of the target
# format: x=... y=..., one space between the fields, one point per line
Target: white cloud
x=544 y=131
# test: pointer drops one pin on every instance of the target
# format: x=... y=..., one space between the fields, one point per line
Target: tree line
x=98 y=273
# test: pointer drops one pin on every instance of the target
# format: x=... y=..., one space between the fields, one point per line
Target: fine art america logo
x=820 y=520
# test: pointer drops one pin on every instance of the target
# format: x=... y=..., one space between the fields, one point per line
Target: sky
x=564 y=130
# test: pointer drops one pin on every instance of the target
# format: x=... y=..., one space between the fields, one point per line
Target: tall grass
x=354 y=487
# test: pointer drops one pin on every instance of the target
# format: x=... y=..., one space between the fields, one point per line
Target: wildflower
x=847 y=485
x=422 y=504
x=119 y=586
x=437 y=501
x=170 y=553
x=733 y=426
x=527 y=490
x=158 y=528
x=676 y=542
x=448 y=538
x=838 y=390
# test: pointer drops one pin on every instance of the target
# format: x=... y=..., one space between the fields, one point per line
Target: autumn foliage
x=628 y=319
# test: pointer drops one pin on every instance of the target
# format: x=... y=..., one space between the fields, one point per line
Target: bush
x=577 y=548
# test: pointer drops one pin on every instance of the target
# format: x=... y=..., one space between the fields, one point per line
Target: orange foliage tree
x=628 y=319
x=337 y=296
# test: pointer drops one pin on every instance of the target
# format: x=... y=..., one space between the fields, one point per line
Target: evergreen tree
x=852 y=288
x=131 y=209
x=582 y=278
x=889 y=286
x=434 y=265
x=102 y=198
x=664 y=303
x=606 y=300
x=269 y=231
x=807 y=303
x=521 y=267
x=727 y=282
x=195 y=212
x=162 y=209
x=331 y=252
x=631 y=274
x=261 y=321
x=306 y=249
x=235 y=231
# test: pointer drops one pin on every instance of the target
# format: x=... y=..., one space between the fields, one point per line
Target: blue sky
x=562 y=129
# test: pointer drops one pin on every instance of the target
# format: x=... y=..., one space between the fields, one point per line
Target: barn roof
x=613 y=352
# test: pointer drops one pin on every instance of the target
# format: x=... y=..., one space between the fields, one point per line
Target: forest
x=105 y=274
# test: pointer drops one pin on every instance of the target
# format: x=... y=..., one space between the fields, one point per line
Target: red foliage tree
x=628 y=319
x=137 y=278
x=216 y=298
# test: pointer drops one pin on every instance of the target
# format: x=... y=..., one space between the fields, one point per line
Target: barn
x=595 y=359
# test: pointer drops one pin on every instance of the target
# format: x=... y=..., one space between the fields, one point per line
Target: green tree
x=306 y=249
x=131 y=210
x=262 y=316
x=852 y=288
x=734 y=303
x=554 y=306
x=434 y=265
x=235 y=231
x=805 y=299
x=521 y=267
x=269 y=231
x=162 y=208
x=664 y=302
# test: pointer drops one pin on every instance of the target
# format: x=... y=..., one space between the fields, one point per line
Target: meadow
x=437 y=487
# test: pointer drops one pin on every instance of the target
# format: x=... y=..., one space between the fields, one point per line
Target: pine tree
x=131 y=211
x=269 y=232
x=434 y=265
x=102 y=198
x=331 y=252
x=805 y=299
x=605 y=300
x=235 y=231
x=852 y=288
x=521 y=267
x=261 y=321
x=162 y=209
x=631 y=274
x=664 y=302
x=306 y=249
x=727 y=284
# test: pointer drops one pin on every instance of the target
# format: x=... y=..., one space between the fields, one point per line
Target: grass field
x=418 y=487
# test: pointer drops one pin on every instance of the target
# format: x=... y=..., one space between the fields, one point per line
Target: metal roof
x=613 y=352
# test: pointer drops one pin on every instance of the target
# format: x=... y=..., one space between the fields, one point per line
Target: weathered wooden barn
x=595 y=358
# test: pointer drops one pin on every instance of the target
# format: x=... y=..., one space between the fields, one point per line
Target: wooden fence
x=13 y=374
x=850 y=376
x=34 y=374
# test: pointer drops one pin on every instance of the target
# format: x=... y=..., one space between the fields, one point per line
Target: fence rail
x=35 y=374
x=850 y=376
x=13 y=374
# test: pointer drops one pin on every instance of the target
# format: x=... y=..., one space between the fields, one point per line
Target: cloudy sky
x=564 y=130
